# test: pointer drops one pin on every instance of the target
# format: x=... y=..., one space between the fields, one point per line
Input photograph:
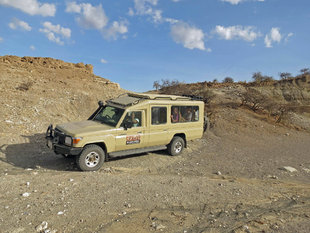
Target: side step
x=136 y=151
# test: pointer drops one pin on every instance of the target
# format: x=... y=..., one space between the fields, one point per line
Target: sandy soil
x=228 y=181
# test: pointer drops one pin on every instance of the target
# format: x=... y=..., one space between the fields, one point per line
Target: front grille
x=59 y=136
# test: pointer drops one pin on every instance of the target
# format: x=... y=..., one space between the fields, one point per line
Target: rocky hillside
x=37 y=91
x=286 y=102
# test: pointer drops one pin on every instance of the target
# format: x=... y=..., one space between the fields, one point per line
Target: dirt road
x=229 y=181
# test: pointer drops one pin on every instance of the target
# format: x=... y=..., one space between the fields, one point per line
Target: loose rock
x=42 y=226
x=289 y=169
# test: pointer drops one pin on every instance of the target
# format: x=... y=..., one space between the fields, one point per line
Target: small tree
x=228 y=80
x=156 y=85
x=165 y=83
x=305 y=71
x=215 y=80
x=285 y=75
x=174 y=82
x=257 y=77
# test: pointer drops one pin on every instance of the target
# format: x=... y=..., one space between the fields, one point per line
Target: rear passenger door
x=158 y=127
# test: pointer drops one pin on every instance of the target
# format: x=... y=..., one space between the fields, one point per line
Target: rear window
x=184 y=114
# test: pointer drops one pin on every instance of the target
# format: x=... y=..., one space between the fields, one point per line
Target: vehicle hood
x=83 y=127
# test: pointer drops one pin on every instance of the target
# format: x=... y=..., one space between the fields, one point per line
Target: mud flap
x=206 y=124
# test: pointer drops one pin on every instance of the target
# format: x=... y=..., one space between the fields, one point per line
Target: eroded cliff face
x=294 y=90
x=36 y=91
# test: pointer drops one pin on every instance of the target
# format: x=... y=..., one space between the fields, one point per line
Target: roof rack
x=129 y=99
x=194 y=97
x=124 y=100
x=158 y=96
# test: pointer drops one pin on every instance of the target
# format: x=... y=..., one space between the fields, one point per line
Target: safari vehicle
x=129 y=124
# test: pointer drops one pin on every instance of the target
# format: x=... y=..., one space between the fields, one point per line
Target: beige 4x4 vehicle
x=130 y=124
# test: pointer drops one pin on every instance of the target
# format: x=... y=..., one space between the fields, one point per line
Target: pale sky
x=135 y=42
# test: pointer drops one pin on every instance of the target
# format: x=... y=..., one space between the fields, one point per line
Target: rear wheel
x=176 y=146
x=91 y=158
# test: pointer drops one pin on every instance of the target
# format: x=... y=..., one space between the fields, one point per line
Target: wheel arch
x=182 y=135
x=100 y=144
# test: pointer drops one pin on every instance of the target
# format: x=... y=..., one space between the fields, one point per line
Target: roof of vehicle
x=134 y=98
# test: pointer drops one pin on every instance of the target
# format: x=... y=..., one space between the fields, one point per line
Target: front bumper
x=53 y=141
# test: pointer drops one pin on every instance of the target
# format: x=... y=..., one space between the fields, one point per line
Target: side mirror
x=100 y=103
x=127 y=125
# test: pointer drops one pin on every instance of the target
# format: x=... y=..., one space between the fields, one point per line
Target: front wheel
x=176 y=146
x=91 y=158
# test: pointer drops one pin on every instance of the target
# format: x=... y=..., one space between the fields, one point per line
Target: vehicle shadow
x=34 y=154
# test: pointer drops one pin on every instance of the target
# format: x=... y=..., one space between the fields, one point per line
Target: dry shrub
x=252 y=99
x=24 y=86
x=256 y=101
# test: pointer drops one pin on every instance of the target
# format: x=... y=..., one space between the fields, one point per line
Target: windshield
x=109 y=115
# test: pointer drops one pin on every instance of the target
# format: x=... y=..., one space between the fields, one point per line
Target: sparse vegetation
x=305 y=71
x=285 y=75
x=256 y=101
x=252 y=98
x=156 y=85
x=164 y=83
x=258 y=77
x=228 y=80
x=250 y=94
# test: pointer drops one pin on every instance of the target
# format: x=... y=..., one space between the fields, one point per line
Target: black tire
x=176 y=146
x=91 y=158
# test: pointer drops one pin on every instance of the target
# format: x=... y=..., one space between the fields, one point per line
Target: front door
x=132 y=132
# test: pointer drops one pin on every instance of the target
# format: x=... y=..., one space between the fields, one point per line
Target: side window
x=184 y=114
x=195 y=113
x=159 y=115
x=134 y=119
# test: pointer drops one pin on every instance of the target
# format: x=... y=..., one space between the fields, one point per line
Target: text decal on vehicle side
x=134 y=139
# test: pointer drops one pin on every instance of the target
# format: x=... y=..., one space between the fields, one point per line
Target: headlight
x=68 y=141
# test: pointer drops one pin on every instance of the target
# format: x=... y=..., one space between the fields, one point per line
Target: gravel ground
x=231 y=180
